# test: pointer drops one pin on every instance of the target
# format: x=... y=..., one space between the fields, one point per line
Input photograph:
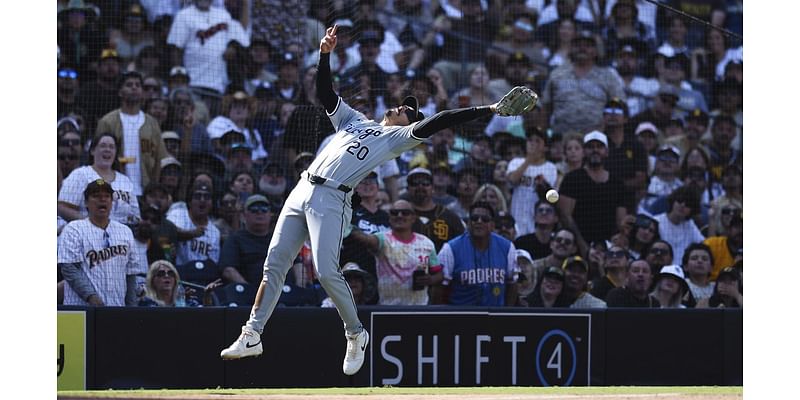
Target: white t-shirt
x=125 y=206
x=678 y=236
x=106 y=256
x=200 y=248
x=395 y=265
x=130 y=136
x=524 y=198
x=204 y=36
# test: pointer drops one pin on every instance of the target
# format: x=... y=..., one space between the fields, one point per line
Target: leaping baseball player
x=319 y=207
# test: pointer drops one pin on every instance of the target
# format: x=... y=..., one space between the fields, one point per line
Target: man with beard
x=562 y=245
x=636 y=292
x=435 y=221
x=616 y=261
x=576 y=278
x=273 y=183
x=203 y=247
x=139 y=135
x=592 y=201
x=638 y=89
x=658 y=255
x=96 y=255
x=100 y=96
x=243 y=254
x=720 y=150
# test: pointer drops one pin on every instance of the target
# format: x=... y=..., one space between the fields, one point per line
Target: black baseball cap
x=97 y=186
x=415 y=114
x=554 y=272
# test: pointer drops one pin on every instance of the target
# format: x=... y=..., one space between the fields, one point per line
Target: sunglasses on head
x=481 y=218
x=165 y=272
x=259 y=209
x=400 y=213
x=68 y=73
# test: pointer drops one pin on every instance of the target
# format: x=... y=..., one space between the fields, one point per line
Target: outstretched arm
x=325 y=92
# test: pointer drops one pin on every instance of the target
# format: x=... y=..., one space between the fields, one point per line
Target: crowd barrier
x=123 y=348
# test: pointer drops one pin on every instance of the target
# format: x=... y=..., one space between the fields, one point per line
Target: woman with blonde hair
x=493 y=195
x=163 y=288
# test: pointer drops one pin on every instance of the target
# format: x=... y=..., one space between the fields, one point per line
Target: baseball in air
x=551 y=196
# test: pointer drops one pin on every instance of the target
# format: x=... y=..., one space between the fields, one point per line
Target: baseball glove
x=517 y=101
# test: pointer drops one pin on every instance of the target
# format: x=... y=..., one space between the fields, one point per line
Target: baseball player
x=319 y=207
x=96 y=254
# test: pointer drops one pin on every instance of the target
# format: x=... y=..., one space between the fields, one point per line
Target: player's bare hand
x=95 y=300
x=328 y=42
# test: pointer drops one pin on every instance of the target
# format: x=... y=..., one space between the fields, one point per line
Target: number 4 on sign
x=555 y=360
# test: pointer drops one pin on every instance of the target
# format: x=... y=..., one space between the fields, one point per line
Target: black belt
x=318 y=180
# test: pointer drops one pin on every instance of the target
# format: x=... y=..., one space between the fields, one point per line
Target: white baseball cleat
x=354 y=358
x=247 y=345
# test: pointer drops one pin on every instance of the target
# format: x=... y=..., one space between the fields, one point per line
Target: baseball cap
x=538 y=131
x=264 y=90
x=728 y=273
x=97 y=186
x=153 y=187
x=596 y=135
x=440 y=165
x=166 y=135
x=371 y=174
x=627 y=49
x=256 y=198
x=353 y=268
x=167 y=161
x=554 y=272
x=670 y=148
x=503 y=216
x=524 y=254
x=698 y=115
x=646 y=126
x=676 y=272
x=414 y=114
x=178 y=71
x=614 y=104
x=419 y=171
x=584 y=35
x=241 y=146
x=344 y=23
x=109 y=53
x=372 y=37
x=518 y=58
x=575 y=260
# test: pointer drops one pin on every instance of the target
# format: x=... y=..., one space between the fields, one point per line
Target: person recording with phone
x=405 y=262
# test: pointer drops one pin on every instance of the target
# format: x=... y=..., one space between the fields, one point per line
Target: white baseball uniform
x=125 y=206
x=106 y=255
x=200 y=248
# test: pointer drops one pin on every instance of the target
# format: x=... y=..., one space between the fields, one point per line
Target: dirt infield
x=656 y=396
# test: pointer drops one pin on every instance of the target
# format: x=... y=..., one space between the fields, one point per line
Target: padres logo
x=496 y=291
x=440 y=229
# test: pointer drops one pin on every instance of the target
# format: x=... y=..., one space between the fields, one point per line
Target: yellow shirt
x=722 y=256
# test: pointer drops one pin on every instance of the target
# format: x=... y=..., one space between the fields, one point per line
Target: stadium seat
x=201 y=272
x=235 y=295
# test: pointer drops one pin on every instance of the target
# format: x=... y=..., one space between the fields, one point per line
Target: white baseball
x=551 y=195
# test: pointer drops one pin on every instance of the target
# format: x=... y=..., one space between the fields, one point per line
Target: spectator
x=288 y=86
x=200 y=34
x=500 y=178
x=561 y=247
x=720 y=149
x=434 y=221
x=242 y=184
x=258 y=72
x=67 y=91
x=158 y=108
x=729 y=102
x=95 y=254
x=635 y=292
x=624 y=28
x=548 y=289
x=638 y=88
x=559 y=43
x=79 y=37
x=727 y=291
x=592 y=200
x=676 y=225
x=410 y=21
x=368 y=219
x=124 y=206
x=442 y=180
x=709 y=61
x=473 y=23
x=432 y=96
x=138 y=134
x=665 y=179
x=163 y=288
x=171 y=175
x=467 y=182
x=504 y=225
x=243 y=253
x=368 y=49
x=661 y=113
x=229 y=215
x=697 y=124
x=344 y=56
x=69 y=149
x=616 y=274
x=725 y=249
x=647 y=134
x=273 y=184
x=531 y=177
x=362 y=285
x=576 y=278
x=518 y=52
x=658 y=255
x=477 y=91
x=101 y=95
x=670 y=287
x=158 y=197
x=721 y=214
x=406 y=262
x=528 y=277
x=675 y=42
x=558 y=11
x=573 y=157
x=494 y=196
x=675 y=73
x=480 y=160
x=187 y=123
x=538 y=242
x=237 y=112
x=133 y=36
x=697 y=264
x=480 y=267
x=156 y=238
x=732 y=185
x=643 y=234
x=571 y=110
x=172 y=142
x=627 y=160
x=207 y=246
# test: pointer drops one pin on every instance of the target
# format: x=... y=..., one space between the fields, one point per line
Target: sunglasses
x=729 y=211
x=69 y=142
x=617 y=254
x=545 y=210
x=420 y=183
x=658 y=251
x=165 y=272
x=400 y=213
x=481 y=218
x=562 y=240
x=67 y=157
x=201 y=196
x=68 y=73
x=617 y=111
x=259 y=209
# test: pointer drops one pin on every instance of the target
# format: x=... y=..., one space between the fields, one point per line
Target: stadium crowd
x=201 y=115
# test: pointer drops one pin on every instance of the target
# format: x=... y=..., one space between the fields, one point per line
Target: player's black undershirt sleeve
x=77 y=279
x=449 y=118
x=325 y=92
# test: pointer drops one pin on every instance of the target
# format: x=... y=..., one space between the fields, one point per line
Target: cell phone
x=417 y=273
x=643 y=221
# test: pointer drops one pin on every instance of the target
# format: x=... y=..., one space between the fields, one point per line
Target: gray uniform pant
x=319 y=213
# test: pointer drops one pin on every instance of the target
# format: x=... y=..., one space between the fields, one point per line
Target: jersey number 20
x=361 y=153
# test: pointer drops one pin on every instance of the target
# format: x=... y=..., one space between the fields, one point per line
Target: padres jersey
x=478 y=277
x=125 y=206
x=106 y=255
x=200 y=248
x=359 y=145
x=396 y=262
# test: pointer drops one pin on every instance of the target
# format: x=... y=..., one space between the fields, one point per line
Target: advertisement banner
x=480 y=349
x=71 y=350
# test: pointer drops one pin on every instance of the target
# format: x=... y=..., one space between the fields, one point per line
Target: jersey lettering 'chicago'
x=200 y=248
x=359 y=145
x=105 y=255
x=478 y=277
